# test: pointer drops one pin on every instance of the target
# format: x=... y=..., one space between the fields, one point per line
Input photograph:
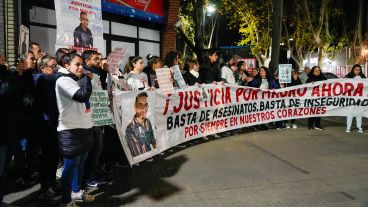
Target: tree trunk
x=276 y=34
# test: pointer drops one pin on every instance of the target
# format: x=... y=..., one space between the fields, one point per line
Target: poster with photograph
x=285 y=73
x=79 y=25
x=23 y=42
x=115 y=59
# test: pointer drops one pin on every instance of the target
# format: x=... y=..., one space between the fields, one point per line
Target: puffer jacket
x=11 y=105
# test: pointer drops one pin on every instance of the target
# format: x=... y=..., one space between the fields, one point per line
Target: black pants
x=314 y=121
x=49 y=155
x=93 y=159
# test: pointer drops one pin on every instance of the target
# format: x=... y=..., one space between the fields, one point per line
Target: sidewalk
x=291 y=167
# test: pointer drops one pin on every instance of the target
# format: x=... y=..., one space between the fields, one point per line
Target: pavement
x=290 y=167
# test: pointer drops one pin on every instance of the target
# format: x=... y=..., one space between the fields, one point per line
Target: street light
x=210 y=9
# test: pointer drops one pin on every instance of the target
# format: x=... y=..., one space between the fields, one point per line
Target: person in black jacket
x=314 y=76
x=192 y=76
x=295 y=81
x=75 y=134
x=209 y=71
x=154 y=62
x=11 y=112
x=47 y=118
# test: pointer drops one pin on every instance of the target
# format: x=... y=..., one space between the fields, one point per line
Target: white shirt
x=72 y=114
x=137 y=81
x=264 y=84
x=228 y=75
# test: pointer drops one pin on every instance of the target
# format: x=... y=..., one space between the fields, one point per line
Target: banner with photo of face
x=149 y=122
x=79 y=25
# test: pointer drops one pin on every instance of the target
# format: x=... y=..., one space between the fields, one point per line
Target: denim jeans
x=6 y=153
x=94 y=155
x=71 y=179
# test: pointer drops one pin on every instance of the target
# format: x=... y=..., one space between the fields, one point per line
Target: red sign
x=155 y=7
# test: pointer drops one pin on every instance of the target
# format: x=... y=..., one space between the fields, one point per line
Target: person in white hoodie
x=355 y=73
x=137 y=79
x=227 y=73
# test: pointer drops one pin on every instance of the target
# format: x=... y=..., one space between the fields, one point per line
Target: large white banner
x=79 y=25
x=149 y=122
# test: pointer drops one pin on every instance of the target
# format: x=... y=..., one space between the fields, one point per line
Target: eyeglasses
x=53 y=66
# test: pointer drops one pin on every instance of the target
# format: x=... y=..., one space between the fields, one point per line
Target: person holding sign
x=315 y=75
x=139 y=133
x=82 y=34
x=355 y=73
x=137 y=79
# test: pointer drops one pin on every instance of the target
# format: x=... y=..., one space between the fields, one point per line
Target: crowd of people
x=46 y=119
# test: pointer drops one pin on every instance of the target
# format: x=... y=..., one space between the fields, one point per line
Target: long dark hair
x=313 y=77
x=207 y=56
x=268 y=74
x=152 y=59
x=351 y=73
x=170 y=57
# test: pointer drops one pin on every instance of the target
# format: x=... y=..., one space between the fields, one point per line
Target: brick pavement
x=269 y=168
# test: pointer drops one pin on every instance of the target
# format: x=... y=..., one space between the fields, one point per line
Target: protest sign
x=165 y=80
x=196 y=112
x=79 y=25
x=101 y=114
x=23 y=42
x=115 y=58
x=285 y=73
x=178 y=76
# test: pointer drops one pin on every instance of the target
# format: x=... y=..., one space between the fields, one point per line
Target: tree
x=276 y=33
x=252 y=18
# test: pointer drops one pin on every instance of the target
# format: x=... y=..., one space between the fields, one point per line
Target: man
x=139 y=133
x=83 y=35
x=36 y=49
x=91 y=65
x=304 y=75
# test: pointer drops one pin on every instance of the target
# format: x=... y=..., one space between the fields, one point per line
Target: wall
x=169 y=33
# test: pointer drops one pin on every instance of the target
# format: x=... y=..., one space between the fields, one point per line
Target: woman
x=154 y=62
x=192 y=75
x=264 y=80
x=47 y=119
x=355 y=73
x=209 y=70
x=75 y=135
x=295 y=81
x=244 y=77
x=314 y=76
x=137 y=79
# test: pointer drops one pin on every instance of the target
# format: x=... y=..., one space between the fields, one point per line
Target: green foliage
x=252 y=18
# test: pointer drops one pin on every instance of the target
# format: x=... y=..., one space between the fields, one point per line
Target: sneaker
x=287 y=126
x=318 y=128
x=49 y=195
x=216 y=136
x=82 y=196
x=205 y=138
x=71 y=204
x=59 y=172
x=96 y=184
x=347 y=131
x=295 y=126
x=360 y=130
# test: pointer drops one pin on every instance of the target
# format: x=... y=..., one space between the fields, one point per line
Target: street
x=289 y=167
